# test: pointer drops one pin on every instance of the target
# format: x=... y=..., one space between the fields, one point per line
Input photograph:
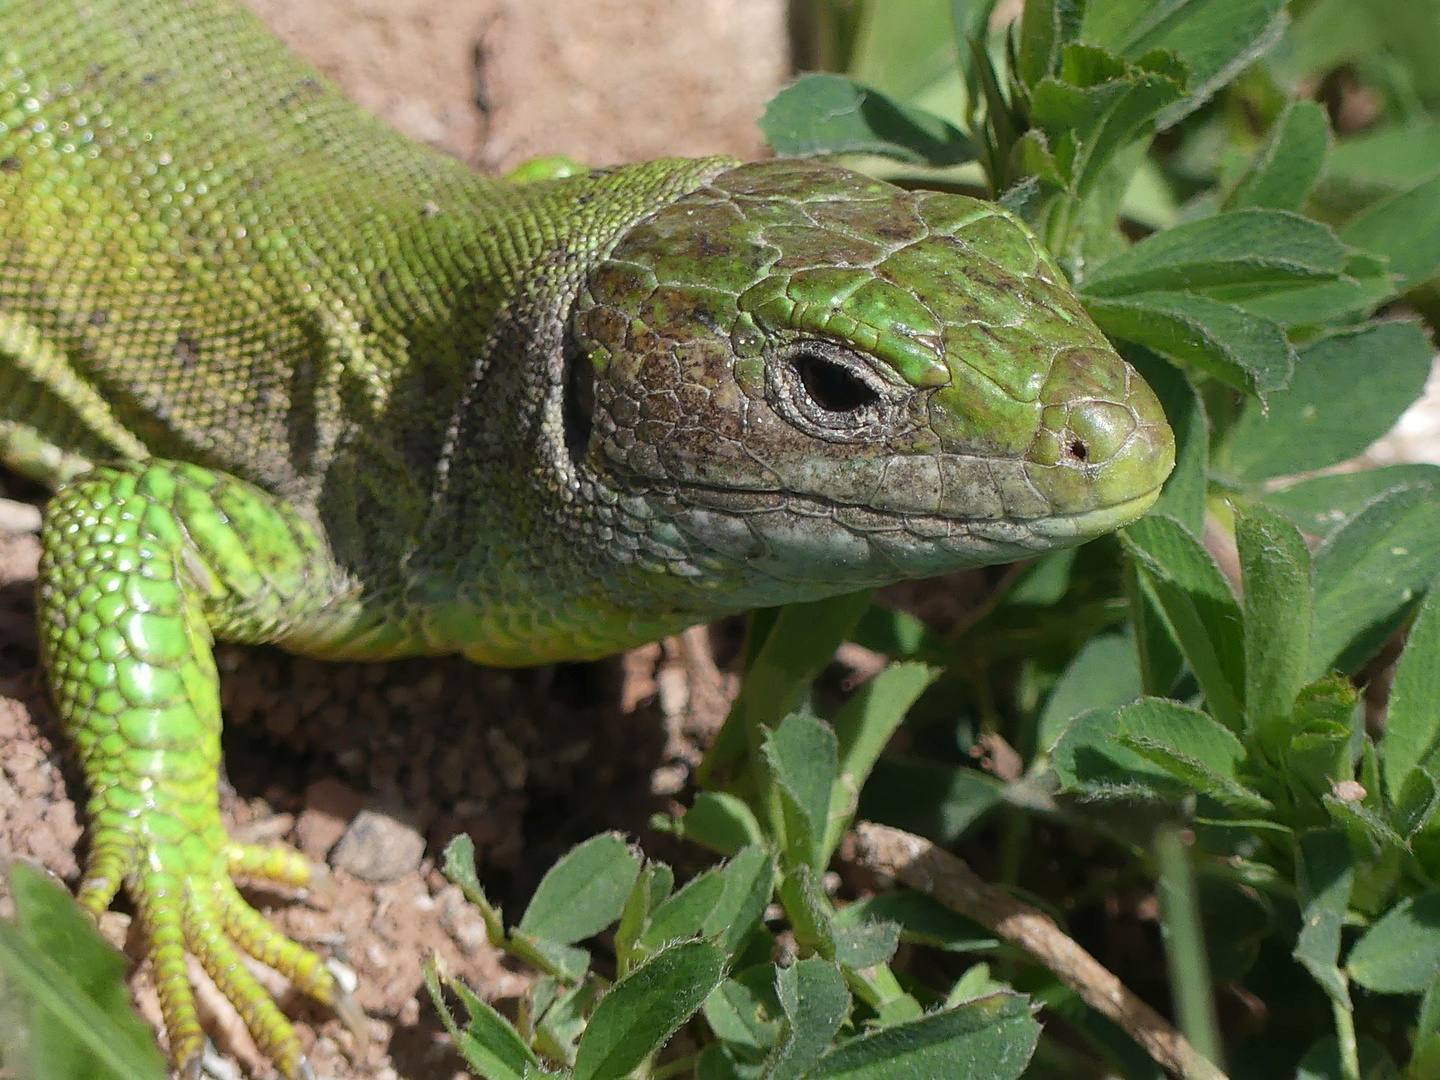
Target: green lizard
x=299 y=380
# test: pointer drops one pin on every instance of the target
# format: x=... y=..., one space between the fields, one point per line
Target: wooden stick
x=901 y=856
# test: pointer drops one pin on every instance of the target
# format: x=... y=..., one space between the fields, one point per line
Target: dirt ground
x=374 y=767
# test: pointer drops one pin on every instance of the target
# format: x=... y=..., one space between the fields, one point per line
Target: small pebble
x=377 y=848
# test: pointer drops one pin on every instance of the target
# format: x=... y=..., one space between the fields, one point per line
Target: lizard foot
x=187 y=903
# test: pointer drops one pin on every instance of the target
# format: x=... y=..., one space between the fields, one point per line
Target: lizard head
x=830 y=381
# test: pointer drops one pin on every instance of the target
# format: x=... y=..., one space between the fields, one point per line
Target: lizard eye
x=830 y=391
x=833 y=388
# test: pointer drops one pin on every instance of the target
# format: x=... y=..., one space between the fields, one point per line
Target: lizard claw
x=187 y=903
x=321 y=891
x=351 y=1015
x=211 y=1064
x=196 y=1066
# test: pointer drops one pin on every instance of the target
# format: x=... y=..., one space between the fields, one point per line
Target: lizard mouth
x=751 y=502
x=807 y=543
x=1100 y=520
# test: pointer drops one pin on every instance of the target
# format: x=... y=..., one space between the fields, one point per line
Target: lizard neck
x=455 y=501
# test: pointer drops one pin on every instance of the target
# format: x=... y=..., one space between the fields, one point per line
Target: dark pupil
x=832 y=387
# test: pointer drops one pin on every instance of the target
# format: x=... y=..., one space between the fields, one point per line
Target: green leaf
x=977 y=982
x=721 y=821
x=1240 y=348
x=749 y=883
x=1425 y=1060
x=743 y=1012
x=640 y=1013
x=1105 y=673
x=566 y=962
x=1089 y=759
x=1406 y=229
x=832 y=114
x=1275 y=569
x=990 y=1037
x=803 y=758
x=864 y=724
x=1415 y=804
x=1365 y=285
x=802 y=639
x=1215 y=39
x=1044 y=583
x=67 y=1011
x=1326 y=875
x=1322 y=504
x=651 y=889
x=1095 y=107
x=1369 y=572
x=1290 y=162
x=816 y=1002
x=1185 y=491
x=1236 y=924
x=1161 y=661
x=1321 y=736
x=933 y=799
x=460 y=868
x=864 y=945
x=563 y=1012
x=1412 y=722
x=1339 y=401
x=1392 y=157
x=863 y=727
x=1259 y=250
x=909 y=58
x=490 y=1045
x=1200 y=607
x=1323 y=1061
x=584 y=892
x=1191 y=748
x=1365 y=824
x=1046 y=26
x=1400 y=954
x=900 y=636
x=809 y=911
x=726 y=1062
x=723 y=904
x=922 y=919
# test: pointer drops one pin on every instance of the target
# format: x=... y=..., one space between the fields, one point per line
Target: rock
x=329 y=806
x=377 y=848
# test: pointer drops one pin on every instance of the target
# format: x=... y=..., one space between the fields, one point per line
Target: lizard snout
x=1103 y=448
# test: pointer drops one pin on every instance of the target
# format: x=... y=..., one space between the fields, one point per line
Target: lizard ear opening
x=578 y=403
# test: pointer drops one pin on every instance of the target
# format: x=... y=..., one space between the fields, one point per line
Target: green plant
x=1258 y=270
x=708 y=947
x=63 y=1005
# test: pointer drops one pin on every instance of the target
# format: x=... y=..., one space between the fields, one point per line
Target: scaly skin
x=301 y=381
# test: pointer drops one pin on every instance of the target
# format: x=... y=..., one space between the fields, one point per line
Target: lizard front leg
x=142 y=567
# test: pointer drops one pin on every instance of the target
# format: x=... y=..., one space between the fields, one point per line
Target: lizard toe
x=187 y=903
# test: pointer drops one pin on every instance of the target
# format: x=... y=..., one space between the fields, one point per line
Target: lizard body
x=300 y=380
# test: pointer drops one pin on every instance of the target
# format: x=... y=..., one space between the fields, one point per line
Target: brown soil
x=528 y=762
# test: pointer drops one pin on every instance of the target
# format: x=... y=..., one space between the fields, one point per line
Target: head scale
x=815 y=381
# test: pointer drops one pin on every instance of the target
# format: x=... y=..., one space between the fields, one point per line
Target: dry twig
x=901 y=856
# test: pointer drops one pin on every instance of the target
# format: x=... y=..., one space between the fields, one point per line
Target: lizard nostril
x=1077 y=450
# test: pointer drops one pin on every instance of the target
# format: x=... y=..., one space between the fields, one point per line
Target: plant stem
x=1345 y=1036
x=1185 y=941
